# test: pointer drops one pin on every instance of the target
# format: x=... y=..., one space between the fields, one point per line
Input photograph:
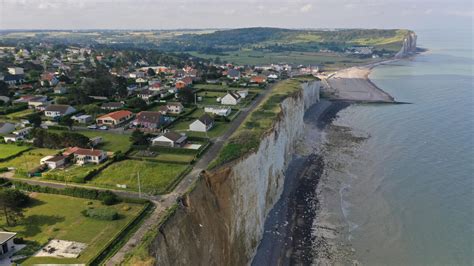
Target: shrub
x=110 y=199
x=106 y=214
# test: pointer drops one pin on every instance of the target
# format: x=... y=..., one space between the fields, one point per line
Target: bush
x=110 y=199
x=106 y=214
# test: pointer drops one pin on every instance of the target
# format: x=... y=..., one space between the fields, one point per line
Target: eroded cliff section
x=221 y=221
x=408 y=47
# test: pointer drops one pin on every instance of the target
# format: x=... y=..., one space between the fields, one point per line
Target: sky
x=187 y=14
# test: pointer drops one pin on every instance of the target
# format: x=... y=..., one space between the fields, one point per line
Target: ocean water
x=408 y=193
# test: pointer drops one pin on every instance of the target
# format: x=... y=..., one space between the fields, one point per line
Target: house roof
x=148 y=117
x=112 y=105
x=5 y=236
x=117 y=115
x=175 y=104
x=206 y=119
x=233 y=73
x=173 y=136
x=56 y=158
x=62 y=108
x=38 y=99
x=81 y=151
x=234 y=95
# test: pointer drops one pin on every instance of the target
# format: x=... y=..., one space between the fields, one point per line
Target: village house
x=12 y=138
x=6 y=128
x=48 y=79
x=149 y=120
x=14 y=79
x=146 y=95
x=38 y=102
x=231 y=98
x=16 y=71
x=183 y=83
x=82 y=119
x=218 y=110
x=6 y=243
x=258 y=79
x=170 y=139
x=115 y=118
x=53 y=161
x=84 y=156
x=60 y=89
x=233 y=74
x=58 y=110
x=202 y=124
x=175 y=108
x=111 y=106
x=243 y=93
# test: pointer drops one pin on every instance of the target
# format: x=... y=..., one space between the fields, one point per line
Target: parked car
x=103 y=128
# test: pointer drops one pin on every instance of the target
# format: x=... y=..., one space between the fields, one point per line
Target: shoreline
x=287 y=238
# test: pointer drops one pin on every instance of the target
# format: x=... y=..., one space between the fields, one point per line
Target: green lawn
x=111 y=141
x=7 y=150
x=59 y=217
x=154 y=177
x=167 y=157
x=27 y=160
x=218 y=129
x=20 y=114
x=73 y=173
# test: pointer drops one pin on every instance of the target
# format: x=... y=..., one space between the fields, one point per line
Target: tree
x=151 y=72
x=91 y=109
x=186 y=95
x=35 y=119
x=4 y=88
x=136 y=103
x=138 y=138
x=121 y=87
x=66 y=121
x=12 y=202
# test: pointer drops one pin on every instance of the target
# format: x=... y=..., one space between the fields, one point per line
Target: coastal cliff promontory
x=408 y=46
x=221 y=221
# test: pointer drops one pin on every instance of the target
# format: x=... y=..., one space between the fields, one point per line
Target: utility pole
x=139 y=186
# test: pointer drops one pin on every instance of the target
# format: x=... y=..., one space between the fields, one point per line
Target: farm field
x=155 y=177
x=59 y=217
x=7 y=150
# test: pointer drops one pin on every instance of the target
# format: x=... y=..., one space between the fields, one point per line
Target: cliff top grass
x=249 y=134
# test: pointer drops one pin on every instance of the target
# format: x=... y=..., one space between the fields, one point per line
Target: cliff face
x=221 y=220
x=408 y=47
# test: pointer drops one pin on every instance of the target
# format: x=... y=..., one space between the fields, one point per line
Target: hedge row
x=13 y=109
x=165 y=149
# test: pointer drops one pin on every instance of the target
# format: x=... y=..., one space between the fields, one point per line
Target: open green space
x=74 y=173
x=110 y=141
x=51 y=216
x=164 y=156
x=28 y=160
x=155 y=177
x=7 y=150
x=20 y=114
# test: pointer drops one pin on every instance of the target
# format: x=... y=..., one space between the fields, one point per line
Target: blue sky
x=173 y=14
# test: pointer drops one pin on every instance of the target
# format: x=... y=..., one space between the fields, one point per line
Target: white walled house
x=202 y=124
x=170 y=139
x=220 y=111
x=58 y=110
x=53 y=161
x=85 y=156
x=231 y=98
x=6 y=243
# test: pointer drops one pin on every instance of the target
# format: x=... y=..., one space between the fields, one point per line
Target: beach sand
x=353 y=84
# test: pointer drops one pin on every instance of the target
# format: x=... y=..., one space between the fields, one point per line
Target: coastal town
x=81 y=118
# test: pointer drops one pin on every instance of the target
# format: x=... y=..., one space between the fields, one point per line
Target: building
x=48 y=79
x=37 y=102
x=175 y=108
x=258 y=79
x=53 y=161
x=16 y=70
x=115 y=118
x=220 y=110
x=60 y=89
x=112 y=106
x=12 y=138
x=243 y=93
x=58 y=110
x=6 y=128
x=82 y=119
x=149 y=120
x=233 y=74
x=6 y=242
x=85 y=156
x=202 y=124
x=146 y=95
x=231 y=98
x=14 y=79
x=170 y=139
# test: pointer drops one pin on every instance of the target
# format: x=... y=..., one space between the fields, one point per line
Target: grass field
x=20 y=114
x=7 y=150
x=168 y=157
x=111 y=141
x=56 y=216
x=154 y=177
x=28 y=160
x=73 y=173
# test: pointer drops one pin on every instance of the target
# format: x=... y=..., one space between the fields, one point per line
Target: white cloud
x=306 y=8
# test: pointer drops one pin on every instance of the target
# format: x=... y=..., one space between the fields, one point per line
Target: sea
x=406 y=192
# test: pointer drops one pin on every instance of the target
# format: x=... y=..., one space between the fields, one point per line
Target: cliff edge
x=408 y=46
